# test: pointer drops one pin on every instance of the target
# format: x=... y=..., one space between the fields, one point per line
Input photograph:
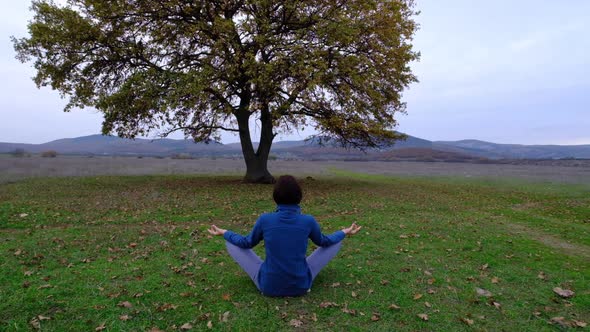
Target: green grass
x=87 y=245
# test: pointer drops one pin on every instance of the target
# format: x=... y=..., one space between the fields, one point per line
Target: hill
x=412 y=148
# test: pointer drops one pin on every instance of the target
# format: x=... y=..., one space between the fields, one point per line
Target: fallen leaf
x=423 y=316
x=23 y=215
x=226 y=297
x=484 y=267
x=467 y=321
x=483 y=292
x=394 y=306
x=375 y=317
x=209 y=324
x=225 y=317
x=295 y=323
x=188 y=326
x=28 y=273
x=495 y=280
x=565 y=293
x=427 y=304
x=155 y=329
x=384 y=282
x=579 y=323
x=542 y=275
x=314 y=317
x=417 y=296
x=353 y=294
x=18 y=252
x=41 y=317
x=124 y=317
x=35 y=323
x=336 y=284
x=559 y=320
x=496 y=304
x=100 y=327
x=166 y=307
x=431 y=291
x=328 y=304
x=349 y=311
x=125 y=304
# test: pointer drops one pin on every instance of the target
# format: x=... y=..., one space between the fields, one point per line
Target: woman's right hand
x=214 y=230
x=353 y=229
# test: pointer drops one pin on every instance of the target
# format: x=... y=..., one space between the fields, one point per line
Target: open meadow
x=100 y=244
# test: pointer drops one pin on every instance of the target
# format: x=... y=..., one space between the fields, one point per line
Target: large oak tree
x=206 y=66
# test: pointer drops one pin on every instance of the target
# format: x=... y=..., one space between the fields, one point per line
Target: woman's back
x=285 y=232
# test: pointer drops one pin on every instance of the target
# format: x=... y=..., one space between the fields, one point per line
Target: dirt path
x=551 y=241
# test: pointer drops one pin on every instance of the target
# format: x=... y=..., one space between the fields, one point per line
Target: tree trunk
x=256 y=162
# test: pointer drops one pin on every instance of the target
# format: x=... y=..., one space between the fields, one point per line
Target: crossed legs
x=250 y=262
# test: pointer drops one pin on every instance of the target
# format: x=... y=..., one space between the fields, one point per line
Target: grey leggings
x=250 y=262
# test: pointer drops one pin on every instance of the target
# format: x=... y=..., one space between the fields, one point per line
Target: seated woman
x=285 y=271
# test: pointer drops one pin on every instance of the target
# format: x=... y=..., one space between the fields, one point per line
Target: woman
x=285 y=271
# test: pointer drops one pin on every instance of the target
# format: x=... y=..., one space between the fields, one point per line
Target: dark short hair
x=287 y=190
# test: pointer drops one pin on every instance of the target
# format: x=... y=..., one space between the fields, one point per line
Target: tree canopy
x=203 y=67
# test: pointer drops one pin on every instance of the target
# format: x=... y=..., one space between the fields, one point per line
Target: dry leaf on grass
x=483 y=292
x=394 y=306
x=328 y=304
x=295 y=323
x=579 y=323
x=100 y=327
x=124 y=317
x=166 y=307
x=467 y=321
x=559 y=320
x=417 y=296
x=423 y=316
x=225 y=317
x=186 y=326
x=375 y=317
x=125 y=304
x=565 y=293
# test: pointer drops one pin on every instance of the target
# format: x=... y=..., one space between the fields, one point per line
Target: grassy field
x=132 y=254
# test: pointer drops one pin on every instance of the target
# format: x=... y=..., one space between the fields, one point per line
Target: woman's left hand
x=214 y=230
x=353 y=229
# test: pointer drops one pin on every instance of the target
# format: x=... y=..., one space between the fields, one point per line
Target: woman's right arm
x=246 y=242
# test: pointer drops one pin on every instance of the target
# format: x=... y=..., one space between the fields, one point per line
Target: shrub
x=182 y=156
x=49 y=154
x=20 y=153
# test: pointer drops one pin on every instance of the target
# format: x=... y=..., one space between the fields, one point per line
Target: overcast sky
x=501 y=71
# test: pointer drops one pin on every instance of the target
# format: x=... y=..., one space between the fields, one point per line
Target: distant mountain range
x=413 y=148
